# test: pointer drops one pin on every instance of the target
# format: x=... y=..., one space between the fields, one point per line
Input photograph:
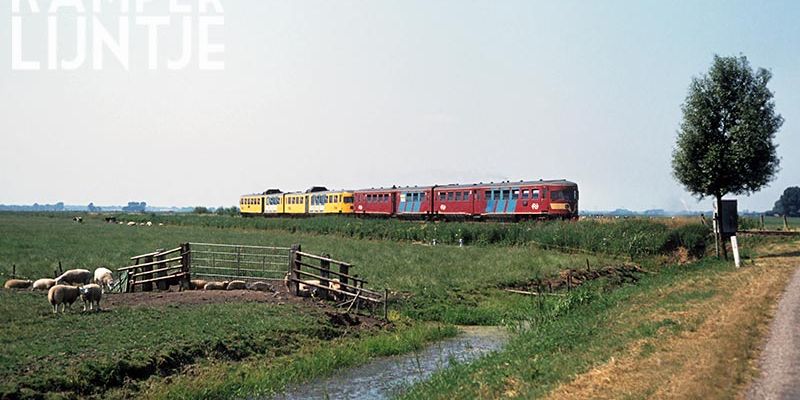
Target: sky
x=359 y=94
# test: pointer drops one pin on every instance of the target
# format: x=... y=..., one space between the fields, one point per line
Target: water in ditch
x=388 y=376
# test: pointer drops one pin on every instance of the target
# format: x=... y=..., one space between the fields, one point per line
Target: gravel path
x=780 y=362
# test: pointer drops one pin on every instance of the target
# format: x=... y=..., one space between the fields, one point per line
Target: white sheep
x=91 y=293
x=197 y=284
x=260 y=286
x=149 y=223
x=62 y=295
x=236 y=285
x=103 y=277
x=43 y=284
x=75 y=277
x=131 y=223
x=216 y=285
x=17 y=284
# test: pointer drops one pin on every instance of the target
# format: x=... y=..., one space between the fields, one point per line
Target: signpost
x=727 y=227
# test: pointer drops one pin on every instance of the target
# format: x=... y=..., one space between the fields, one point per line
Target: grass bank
x=669 y=335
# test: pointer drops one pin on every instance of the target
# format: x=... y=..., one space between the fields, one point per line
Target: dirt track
x=780 y=362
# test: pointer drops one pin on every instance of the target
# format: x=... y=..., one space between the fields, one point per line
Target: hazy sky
x=352 y=94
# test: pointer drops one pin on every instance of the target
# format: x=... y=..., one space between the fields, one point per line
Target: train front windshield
x=564 y=195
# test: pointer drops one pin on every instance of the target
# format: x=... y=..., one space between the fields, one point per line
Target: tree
x=726 y=140
x=789 y=202
x=201 y=210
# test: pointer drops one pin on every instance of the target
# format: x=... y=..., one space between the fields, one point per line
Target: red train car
x=504 y=200
x=414 y=202
x=508 y=200
x=377 y=202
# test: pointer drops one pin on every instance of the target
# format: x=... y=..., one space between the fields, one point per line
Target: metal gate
x=229 y=261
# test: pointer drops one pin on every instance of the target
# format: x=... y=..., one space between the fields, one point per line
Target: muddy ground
x=278 y=296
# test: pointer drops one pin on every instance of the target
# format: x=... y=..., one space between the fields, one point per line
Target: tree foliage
x=726 y=140
x=789 y=202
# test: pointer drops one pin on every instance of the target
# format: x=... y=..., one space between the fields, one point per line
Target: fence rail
x=332 y=279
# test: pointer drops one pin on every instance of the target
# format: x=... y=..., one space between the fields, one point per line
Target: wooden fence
x=161 y=268
x=332 y=280
x=238 y=262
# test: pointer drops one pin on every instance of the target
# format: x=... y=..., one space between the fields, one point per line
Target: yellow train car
x=331 y=202
x=273 y=204
x=251 y=204
x=295 y=203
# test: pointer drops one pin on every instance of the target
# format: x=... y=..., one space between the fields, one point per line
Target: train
x=523 y=200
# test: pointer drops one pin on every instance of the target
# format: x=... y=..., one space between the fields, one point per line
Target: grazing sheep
x=43 y=284
x=160 y=224
x=17 y=284
x=237 y=285
x=91 y=293
x=62 y=295
x=75 y=277
x=131 y=223
x=197 y=284
x=149 y=223
x=103 y=277
x=216 y=285
x=260 y=287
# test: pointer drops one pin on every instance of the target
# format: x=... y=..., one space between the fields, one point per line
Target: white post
x=735 y=247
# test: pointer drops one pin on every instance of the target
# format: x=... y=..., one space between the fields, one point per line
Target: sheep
x=62 y=295
x=305 y=290
x=197 y=284
x=260 y=287
x=131 y=223
x=236 y=285
x=103 y=277
x=18 y=284
x=216 y=285
x=43 y=284
x=91 y=293
x=149 y=223
x=75 y=277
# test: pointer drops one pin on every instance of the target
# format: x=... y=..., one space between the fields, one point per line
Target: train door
x=304 y=200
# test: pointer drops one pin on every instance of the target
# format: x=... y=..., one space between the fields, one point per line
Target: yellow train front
x=330 y=202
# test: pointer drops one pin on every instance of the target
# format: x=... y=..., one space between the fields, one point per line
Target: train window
x=458 y=196
x=386 y=197
x=449 y=196
x=488 y=194
x=525 y=194
x=535 y=194
x=504 y=195
x=415 y=197
x=514 y=194
x=336 y=198
x=466 y=196
x=442 y=196
x=422 y=196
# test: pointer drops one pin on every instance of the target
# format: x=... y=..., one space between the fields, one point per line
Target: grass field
x=221 y=350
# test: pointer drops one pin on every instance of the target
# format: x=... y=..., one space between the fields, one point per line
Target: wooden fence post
x=162 y=284
x=762 y=221
x=60 y=270
x=325 y=266
x=186 y=260
x=344 y=269
x=291 y=279
x=14 y=271
x=147 y=286
x=785 y=223
x=386 y=305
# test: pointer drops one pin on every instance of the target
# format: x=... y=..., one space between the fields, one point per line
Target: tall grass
x=629 y=237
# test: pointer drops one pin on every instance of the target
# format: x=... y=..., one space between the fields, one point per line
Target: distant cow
x=77 y=219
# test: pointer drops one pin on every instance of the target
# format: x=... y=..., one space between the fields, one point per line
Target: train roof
x=552 y=182
x=556 y=182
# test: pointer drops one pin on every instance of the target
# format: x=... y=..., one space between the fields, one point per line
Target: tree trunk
x=720 y=238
